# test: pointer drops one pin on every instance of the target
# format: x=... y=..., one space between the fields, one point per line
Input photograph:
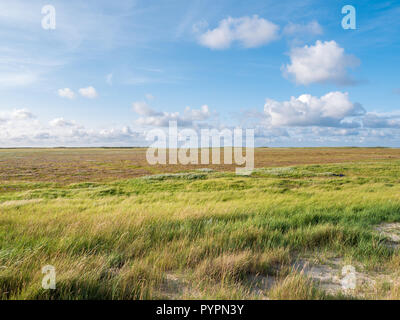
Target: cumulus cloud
x=150 y=117
x=197 y=114
x=21 y=128
x=16 y=114
x=66 y=93
x=313 y=28
x=324 y=62
x=250 y=32
x=113 y=133
x=61 y=122
x=280 y=126
x=163 y=120
x=22 y=114
x=143 y=109
x=375 y=120
x=88 y=92
x=330 y=110
x=330 y=120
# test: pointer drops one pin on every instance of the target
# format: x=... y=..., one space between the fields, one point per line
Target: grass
x=199 y=234
x=65 y=166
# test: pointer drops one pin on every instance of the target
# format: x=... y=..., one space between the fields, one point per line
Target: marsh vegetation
x=200 y=233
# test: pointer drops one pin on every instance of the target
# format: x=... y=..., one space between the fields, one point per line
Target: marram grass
x=200 y=235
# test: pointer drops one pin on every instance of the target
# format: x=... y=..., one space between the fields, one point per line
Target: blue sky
x=112 y=70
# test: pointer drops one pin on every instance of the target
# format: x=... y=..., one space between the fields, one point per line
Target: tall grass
x=209 y=231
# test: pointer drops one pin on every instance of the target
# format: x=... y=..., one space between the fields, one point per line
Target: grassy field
x=117 y=228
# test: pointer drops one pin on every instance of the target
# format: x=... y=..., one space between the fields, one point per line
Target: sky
x=110 y=71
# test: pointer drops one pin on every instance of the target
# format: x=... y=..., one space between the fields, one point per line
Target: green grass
x=210 y=230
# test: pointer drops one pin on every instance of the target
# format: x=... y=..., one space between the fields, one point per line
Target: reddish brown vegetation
x=75 y=165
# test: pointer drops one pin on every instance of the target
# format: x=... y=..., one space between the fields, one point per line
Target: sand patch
x=391 y=231
x=333 y=276
x=175 y=287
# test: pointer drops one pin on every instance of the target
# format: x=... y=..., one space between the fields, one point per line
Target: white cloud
x=61 y=122
x=330 y=110
x=21 y=128
x=250 y=32
x=88 y=92
x=324 y=62
x=16 y=114
x=376 y=120
x=154 y=118
x=163 y=120
x=198 y=115
x=143 y=109
x=66 y=93
x=313 y=28
x=21 y=114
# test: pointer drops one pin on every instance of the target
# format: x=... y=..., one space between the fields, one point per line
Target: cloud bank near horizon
x=332 y=119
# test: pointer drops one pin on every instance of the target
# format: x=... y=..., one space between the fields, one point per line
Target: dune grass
x=198 y=235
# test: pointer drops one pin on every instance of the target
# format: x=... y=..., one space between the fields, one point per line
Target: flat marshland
x=115 y=227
